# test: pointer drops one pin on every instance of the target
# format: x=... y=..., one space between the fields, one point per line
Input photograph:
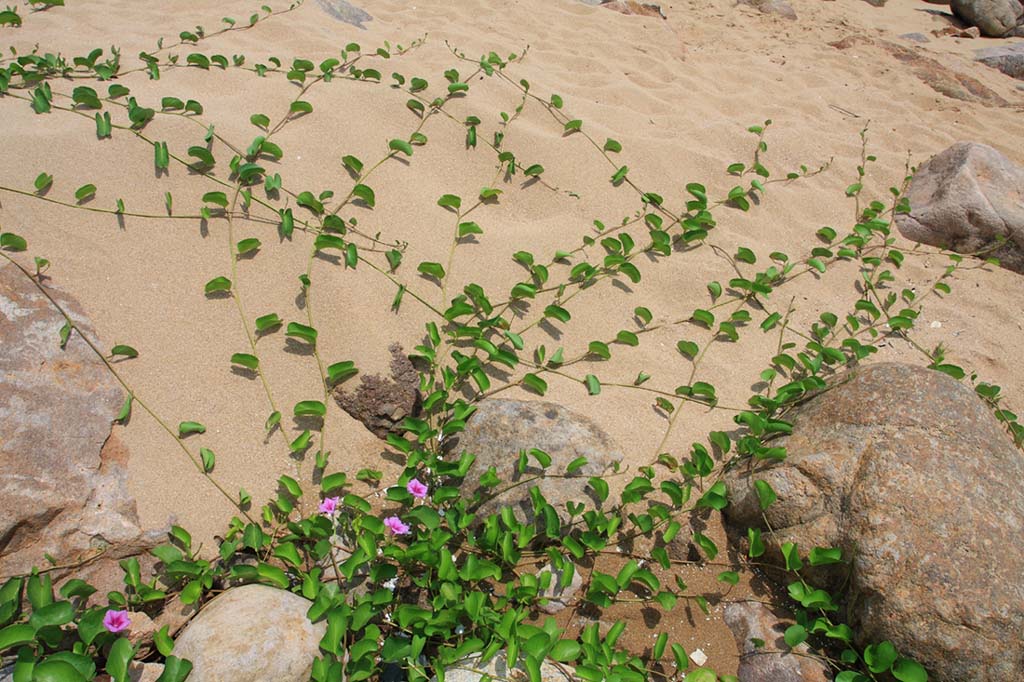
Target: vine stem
x=124 y=384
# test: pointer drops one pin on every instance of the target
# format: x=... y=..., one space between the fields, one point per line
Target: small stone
x=142 y=629
x=698 y=656
x=558 y=596
x=779 y=8
x=1007 y=58
x=915 y=37
x=471 y=670
x=145 y=672
x=936 y=324
x=500 y=429
x=252 y=633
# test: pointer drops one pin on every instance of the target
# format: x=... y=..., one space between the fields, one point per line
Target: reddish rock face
x=966 y=199
x=63 y=483
x=910 y=474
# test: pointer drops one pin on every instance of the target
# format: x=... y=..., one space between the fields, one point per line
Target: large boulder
x=911 y=475
x=966 y=199
x=995 y=18
x=500 y=429
x=252 y=633
x=764 y=654
x=63 y=476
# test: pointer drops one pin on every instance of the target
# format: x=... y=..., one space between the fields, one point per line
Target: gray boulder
x=773 y=662
x=1007 y=58
x=500 y=429
x=910 y=474
x=995 y=18
x=965 y=199
x=471 y=670
x=63 y=476
x=779 y=8
x=252 y=633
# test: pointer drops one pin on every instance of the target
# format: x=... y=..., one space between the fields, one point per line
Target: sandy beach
x=678 y=93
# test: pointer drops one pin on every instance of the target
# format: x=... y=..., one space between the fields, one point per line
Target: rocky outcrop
x=63 y=476
x=942 y=79
x=1007 y=58
x=910 y=475
x=995 y=18
x=967 y=199
x=500 y=429
x=252 y=633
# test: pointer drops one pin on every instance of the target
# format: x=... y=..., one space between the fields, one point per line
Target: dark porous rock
x=1007 y=58
x=779 y=8
x=500 y=429
x=995 y=18
x=63 y=475
x=380 y=403
x=967 y=199
x=912 y=477
x=253 y=633
x=876 y=3
x=774 y=661
x=915 y=37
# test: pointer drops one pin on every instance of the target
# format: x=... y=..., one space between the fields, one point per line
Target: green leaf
x=430 y=269
x=534 y=171
x=468 y=228
x=573 y=126
x=16 y=635
x=125 y=409
x=593 y=384
x=365 y=193
x=217 y=284
x=300 y=107
x=450 y=201
x=310 y=408
x=565 y=650
x=118 y=659
x=85 y=192
x=600 y=349
x=43 y=181
x=175 y=670
x=217 y=198
x=188 y=428
x=688 y=348
x=880 y=657
x=791 y=553
x=267 y=322
x=55 y=670
x=208 y=458
x=705 y=317
x=307 y=334
x=124 y=350
x=248 y=245
x=340 y=371
x=795 y=635
x=765 y=493
x=907 y=670
x=535 y=383
x=12 y=242
x=401 y=146
x=611 y=145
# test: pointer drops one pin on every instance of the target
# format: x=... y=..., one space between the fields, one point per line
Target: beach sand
x=678 y=93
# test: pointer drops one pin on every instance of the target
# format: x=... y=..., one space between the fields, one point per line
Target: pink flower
x=116 y=621
x=417 y=489
x=330 y=506
x=396 y=526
